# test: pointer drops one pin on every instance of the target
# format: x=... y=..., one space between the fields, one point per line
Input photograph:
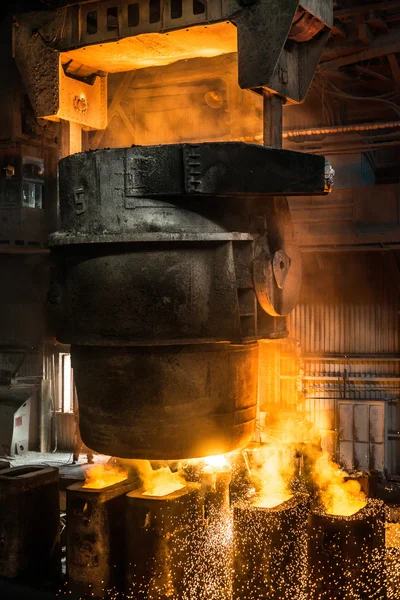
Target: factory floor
x=62 y=460
x=69 y=473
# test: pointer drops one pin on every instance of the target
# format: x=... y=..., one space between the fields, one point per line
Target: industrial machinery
x=95 y=530
x=29 y=523
x=159 y=542
x=170 y=267
x=335 y=545
x=64 y=56
x=173 y=261
x=274 y=566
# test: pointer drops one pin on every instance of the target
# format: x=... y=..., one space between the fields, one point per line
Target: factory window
x=133 y=15
x=66 y=387
x=32 y=182
x=32 y=195
x=176 y=9
x=112 y=18
x=91 y=22
x=154 y=11
x=199 y=7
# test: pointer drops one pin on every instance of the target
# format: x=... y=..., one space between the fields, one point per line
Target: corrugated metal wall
x=349 y=304
x=66 y=425
x=347 y=325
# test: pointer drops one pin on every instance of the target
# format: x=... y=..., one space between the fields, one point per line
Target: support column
x=272 y=119
x=71 y=138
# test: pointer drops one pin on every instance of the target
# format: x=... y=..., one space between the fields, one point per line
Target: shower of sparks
x=194 y=562
x=258 y=550
x=347 y=554
x=393 y=560
x=270 y=551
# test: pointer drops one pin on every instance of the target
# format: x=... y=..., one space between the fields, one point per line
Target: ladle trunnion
x=171 y=263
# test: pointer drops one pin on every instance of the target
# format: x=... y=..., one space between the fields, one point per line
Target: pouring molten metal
x=102 y=476
x=162 y=482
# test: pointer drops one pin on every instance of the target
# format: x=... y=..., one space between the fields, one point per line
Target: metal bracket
x=53 y=93
x=279 y=44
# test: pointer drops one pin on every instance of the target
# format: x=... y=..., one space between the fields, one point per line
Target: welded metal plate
x=345 y=422
x=377 y=423
x=377 y=457
x=362 y=435
x=81 y=102
x=183 y=188
x=55 y=95
x=346 y=455
x=361 y=456
x=361 y=422
x=214 y=168
x=232 y=167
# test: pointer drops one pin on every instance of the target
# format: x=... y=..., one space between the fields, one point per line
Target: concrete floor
x=62 y=460
x=52 y=459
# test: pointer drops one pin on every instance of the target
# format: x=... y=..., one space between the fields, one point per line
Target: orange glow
x=215 y=463
x=162 y=482
x=164 y=489
x=271 y=475
x=339 y=497
x=155 y=49
x=272 y=500
x=102 y=476
x=392 y=538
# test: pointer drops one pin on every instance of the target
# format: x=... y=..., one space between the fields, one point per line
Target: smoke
x=101 y=476
x=293 y=454
x=272 y=473
x=338 y=496
x=195 y=100
x=154 y=482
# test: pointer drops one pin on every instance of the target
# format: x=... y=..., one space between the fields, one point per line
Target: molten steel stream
x=102 y=476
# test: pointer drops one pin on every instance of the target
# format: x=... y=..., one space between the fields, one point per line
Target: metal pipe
x=348 y=357
x=352 y=149
x=349 y=378
x=378 y=247
x=341 y=129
